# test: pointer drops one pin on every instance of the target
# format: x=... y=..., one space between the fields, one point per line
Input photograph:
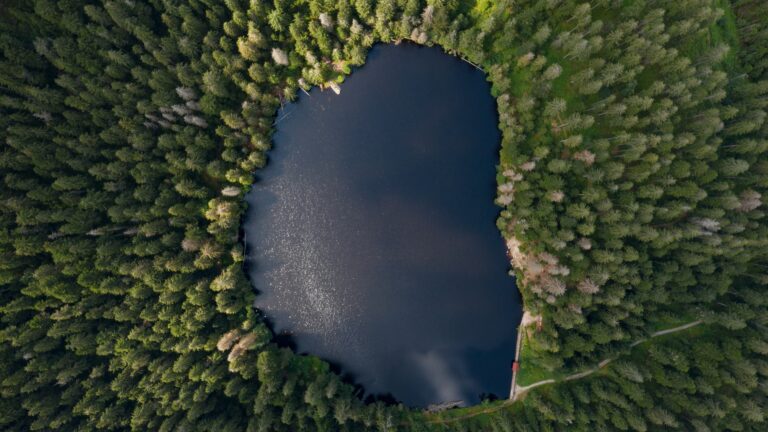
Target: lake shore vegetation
x=632 y=183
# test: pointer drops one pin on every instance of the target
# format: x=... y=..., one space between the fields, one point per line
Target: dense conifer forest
x=632 y=182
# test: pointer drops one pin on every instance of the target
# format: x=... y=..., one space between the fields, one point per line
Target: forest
x=632 y=190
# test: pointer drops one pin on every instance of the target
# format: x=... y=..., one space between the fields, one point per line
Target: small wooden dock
x=443 y=406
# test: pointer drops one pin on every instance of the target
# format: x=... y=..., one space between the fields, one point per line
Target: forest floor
x=466 y=413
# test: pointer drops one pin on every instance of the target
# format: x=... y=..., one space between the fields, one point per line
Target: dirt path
x=676 y=329
x=606 y=362
x=513 y=387
x=476 y=413
x=521 y=390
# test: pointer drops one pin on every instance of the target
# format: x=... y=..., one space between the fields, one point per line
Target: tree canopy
x=632 y=184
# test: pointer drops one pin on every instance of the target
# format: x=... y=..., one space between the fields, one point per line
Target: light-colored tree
x=552 y=72
x=228 y=339
x=585 y=156
x=326 y=20
x=428 y=15
x=707 y=226
x=279 y=56
x=230 y=191
x=584 y=243
x=356 y=27
x=505 y=199
x=525 y=59
x=181 y=109
x=193 y=105
x=572 y=141
x=749 y=200
x=512 y=175
x=190 y=244
x=556 y=196
x=552 y=285
x=196 y=121
x=244 y=344
x=45 y=116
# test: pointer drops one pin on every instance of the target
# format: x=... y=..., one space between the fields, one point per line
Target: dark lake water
x=371 y=233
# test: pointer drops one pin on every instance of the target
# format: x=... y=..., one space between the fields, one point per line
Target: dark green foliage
x=631 y=169
x=633 y=180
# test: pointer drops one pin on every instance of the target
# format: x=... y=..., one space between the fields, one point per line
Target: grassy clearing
x=531 y=372
x=725 y=31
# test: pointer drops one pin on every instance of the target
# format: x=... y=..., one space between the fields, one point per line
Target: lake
x=371 y=232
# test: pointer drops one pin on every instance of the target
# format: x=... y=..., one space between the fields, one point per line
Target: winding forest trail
x=521 y=390
x=606 y=362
